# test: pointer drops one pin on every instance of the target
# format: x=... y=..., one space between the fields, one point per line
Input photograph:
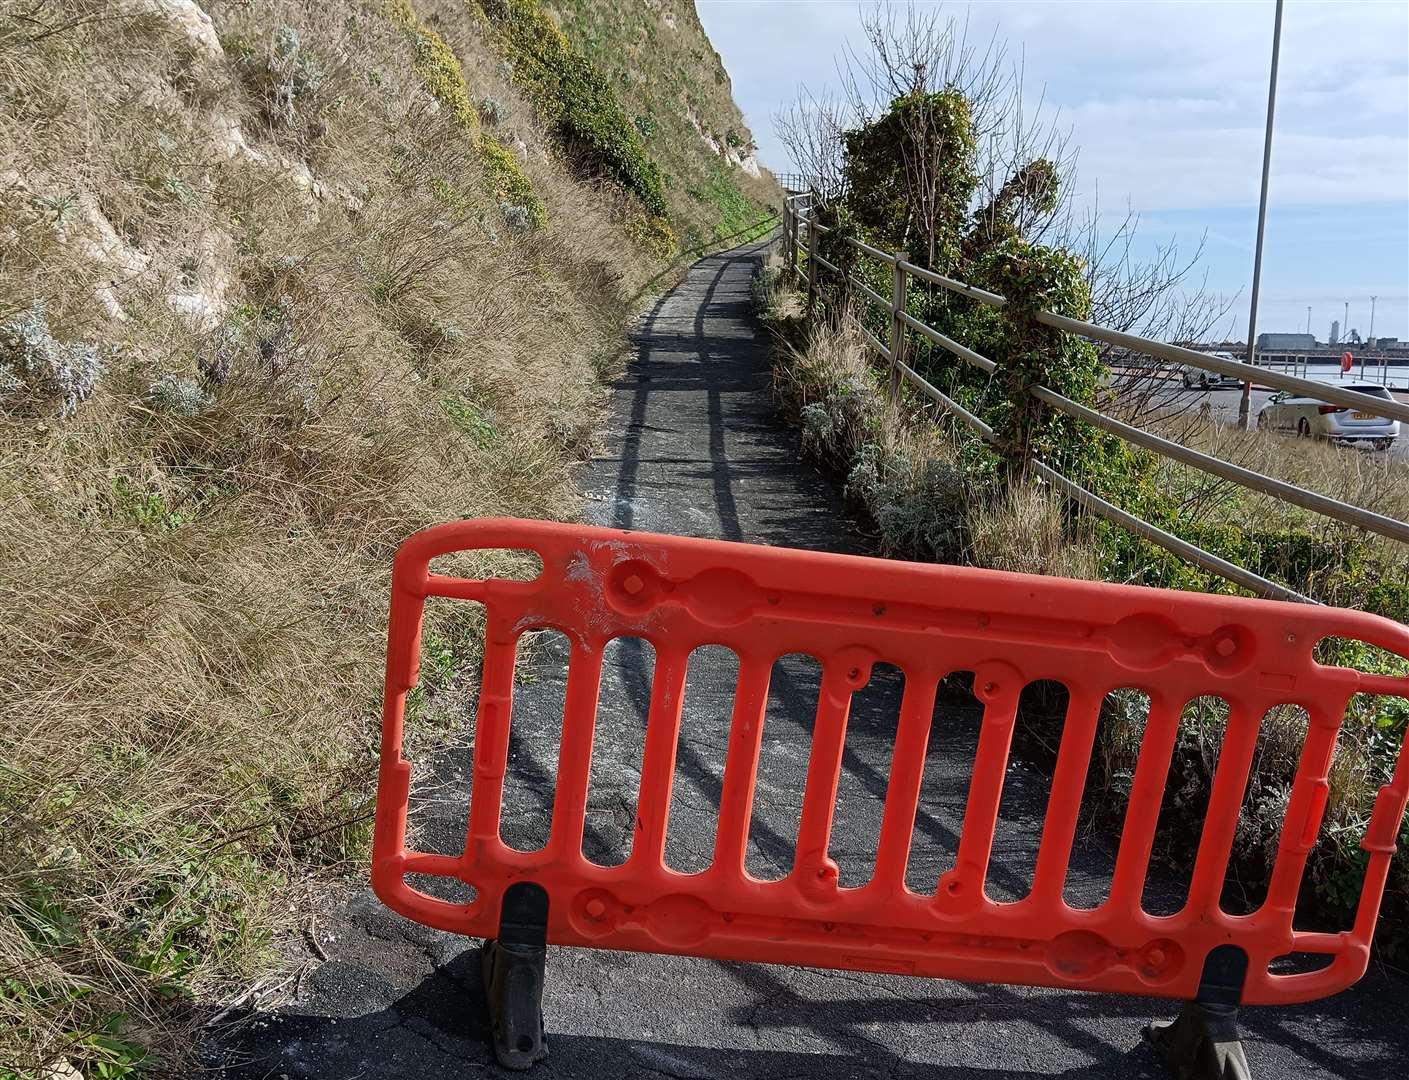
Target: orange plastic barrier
x=850 y=612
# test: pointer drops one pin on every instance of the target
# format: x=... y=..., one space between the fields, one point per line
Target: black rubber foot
x=1202 y=1044
x=513 y=986
x=513 y=969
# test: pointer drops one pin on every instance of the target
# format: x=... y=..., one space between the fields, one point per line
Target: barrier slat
x=811 y=864
x=491 y=751
x=1137 y=835
x=1068 y=777
x=575 y=751
x=907 y=771
x=741 y=765
x=964 y=884
x=1306 y=807
x=1379 y=842
x=658 y=757
x=1225 y=803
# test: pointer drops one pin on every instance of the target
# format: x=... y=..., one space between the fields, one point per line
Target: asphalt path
x=695 y=448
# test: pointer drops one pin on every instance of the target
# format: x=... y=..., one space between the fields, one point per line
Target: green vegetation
x=671 y=82
x=440 y=68
x=935 y=126
x=576 y=102
x=944 y=495
x=735 y=214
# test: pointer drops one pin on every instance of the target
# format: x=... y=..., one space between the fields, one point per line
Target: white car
x=1210 y=380
x=1309 y=417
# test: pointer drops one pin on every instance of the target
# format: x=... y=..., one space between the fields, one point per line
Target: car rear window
x=1372 y=391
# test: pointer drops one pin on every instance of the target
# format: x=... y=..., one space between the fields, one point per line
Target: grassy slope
x=665 y=70
x=284 y=255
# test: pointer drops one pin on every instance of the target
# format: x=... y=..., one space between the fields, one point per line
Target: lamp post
x=1245 y=403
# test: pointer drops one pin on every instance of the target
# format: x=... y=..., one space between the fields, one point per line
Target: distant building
x=1335 y=331
x=1285 y=341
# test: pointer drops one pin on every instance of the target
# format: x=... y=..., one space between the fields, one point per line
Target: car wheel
x=1303 y=428
x=1383 y=444
x=1262 y=421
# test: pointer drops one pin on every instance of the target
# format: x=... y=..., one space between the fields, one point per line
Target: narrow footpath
x=695 y=448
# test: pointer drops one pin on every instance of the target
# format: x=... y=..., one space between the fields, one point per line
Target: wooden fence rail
x=798 y=214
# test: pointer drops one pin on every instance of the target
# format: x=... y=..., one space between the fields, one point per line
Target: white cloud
x=1166 y=102
x=1169 y=155
x=1166 y=99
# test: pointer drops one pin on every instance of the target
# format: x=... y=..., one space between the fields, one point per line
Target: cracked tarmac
x=696 y=449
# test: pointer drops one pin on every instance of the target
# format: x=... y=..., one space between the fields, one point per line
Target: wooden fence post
x=811 y=259
x=897 y=325
x=790 y=239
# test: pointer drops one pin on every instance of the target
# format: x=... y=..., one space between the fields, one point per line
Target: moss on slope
x=440 y=68
x=660 y=64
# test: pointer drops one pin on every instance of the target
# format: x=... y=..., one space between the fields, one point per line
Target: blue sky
x=1166 y=102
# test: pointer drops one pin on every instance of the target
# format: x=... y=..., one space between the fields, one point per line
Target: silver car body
x=1209 y=379
x=1312 y=418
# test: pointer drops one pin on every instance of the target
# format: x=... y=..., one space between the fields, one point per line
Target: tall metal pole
x=1369 y=341
x=1245 y=404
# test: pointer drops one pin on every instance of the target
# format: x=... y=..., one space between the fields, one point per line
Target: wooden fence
x=800 y=251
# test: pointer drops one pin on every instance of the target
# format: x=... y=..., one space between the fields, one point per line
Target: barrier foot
x=513 y=969
x=1202 y=1043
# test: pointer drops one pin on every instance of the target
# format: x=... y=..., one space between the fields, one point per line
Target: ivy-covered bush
x=918 y=127
x=1036 y=277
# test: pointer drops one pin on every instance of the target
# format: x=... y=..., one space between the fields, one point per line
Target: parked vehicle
x=1309 y=417
x=1210 y=380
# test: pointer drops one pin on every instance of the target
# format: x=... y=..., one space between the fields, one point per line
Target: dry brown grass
x=1375 y=481
x=1027 y=530
x=194 y=597
x=908 y=472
